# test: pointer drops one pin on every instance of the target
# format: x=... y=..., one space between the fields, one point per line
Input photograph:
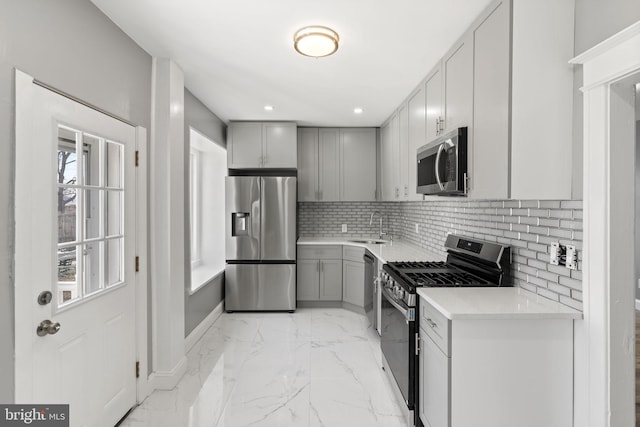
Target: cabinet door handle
x=431 y=323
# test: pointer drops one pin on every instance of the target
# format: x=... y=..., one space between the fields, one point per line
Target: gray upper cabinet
x=403 y=152
x=328 y=156
x=307 y=164
x=261 y=145
x=389 y=175
x=417 y=137
x=522 y=101
x=433 y=104
x=329 y=164
x=490 y=150
x=358 y=161
x=507 y=80
x=244 y=145
x=457 y=68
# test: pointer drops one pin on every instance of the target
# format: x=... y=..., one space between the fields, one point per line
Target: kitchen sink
x=370 y=241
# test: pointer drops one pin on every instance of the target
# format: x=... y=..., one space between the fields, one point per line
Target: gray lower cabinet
x=353 y=288
x=353 y=282
x=319 y=273
x=433 y=383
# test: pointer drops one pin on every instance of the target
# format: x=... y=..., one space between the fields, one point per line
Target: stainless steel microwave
x=442 y=165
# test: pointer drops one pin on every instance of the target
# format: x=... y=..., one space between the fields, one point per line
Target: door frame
x=605 y=356
x=140 y=278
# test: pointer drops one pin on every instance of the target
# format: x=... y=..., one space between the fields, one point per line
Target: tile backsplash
x=528 y=226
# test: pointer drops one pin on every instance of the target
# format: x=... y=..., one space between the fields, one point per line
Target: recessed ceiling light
x=358 y=110
x=268 y=107
x=316 y=41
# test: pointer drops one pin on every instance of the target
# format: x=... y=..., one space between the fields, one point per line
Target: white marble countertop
x=397 y=250
x=495 y=303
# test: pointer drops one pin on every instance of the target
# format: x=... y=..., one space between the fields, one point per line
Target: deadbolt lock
x=47 y=327
x=45 y=298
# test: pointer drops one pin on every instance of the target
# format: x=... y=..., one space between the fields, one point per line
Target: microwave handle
x=440 y=150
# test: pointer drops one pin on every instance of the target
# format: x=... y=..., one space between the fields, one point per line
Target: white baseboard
x=167 y=380
x=199 y=330
x=638 y=304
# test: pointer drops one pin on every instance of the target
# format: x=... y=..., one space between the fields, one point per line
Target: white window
x=208 y=168
x=89 y=197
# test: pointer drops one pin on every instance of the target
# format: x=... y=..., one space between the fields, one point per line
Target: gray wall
x=595 y=21
x=71 y=45
x=205 y=299
x=528 y=226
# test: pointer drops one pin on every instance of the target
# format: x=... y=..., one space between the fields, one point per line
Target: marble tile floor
x=312 y=368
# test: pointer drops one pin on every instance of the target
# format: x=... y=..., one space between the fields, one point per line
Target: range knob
x=400 y=293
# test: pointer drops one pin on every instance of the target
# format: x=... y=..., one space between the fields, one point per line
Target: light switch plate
x=417 y=228
x=344 y=228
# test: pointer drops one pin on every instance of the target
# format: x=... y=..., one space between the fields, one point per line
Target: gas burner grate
x=419 y=265
x=447 y=279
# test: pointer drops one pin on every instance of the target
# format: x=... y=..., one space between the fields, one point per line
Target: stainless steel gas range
x=470 y=263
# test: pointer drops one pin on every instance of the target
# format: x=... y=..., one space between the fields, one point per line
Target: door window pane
x=113 y=262
x=66 y=200
x=67 y=274
x=67 y=159
x=91 y=160
x=92 y=203
x=113 y=165
x=92 y=276
x=114 y=213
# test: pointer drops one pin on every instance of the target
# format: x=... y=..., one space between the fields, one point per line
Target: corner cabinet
x=252 y=145
x=337 y=164
x=353 y=288
x=358 y=162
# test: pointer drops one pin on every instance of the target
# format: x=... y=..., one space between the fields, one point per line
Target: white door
x=75 y=195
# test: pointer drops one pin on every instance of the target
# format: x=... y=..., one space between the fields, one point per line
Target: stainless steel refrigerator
x=260 y=243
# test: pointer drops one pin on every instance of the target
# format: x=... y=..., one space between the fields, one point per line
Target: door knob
x=47 y=327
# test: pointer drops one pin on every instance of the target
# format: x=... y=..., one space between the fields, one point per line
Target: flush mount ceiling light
x=268 y=107
x=358 y=110
x=316 y=41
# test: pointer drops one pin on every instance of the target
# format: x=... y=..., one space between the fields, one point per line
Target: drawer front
x=319 y=252
x=352 y=253
x=436 y=325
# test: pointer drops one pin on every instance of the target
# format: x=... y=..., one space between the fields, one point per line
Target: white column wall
x=167 y=223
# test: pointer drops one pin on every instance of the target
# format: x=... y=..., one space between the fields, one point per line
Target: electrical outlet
x=344 y=228
x=571 y=257
x=555 y=253
x=417 y=229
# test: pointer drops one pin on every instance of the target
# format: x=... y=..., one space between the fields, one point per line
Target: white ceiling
x=238 y=56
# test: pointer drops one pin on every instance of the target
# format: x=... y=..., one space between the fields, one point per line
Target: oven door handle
x=409 y=313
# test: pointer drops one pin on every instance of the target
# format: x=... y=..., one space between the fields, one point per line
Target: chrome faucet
x=382 y=233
